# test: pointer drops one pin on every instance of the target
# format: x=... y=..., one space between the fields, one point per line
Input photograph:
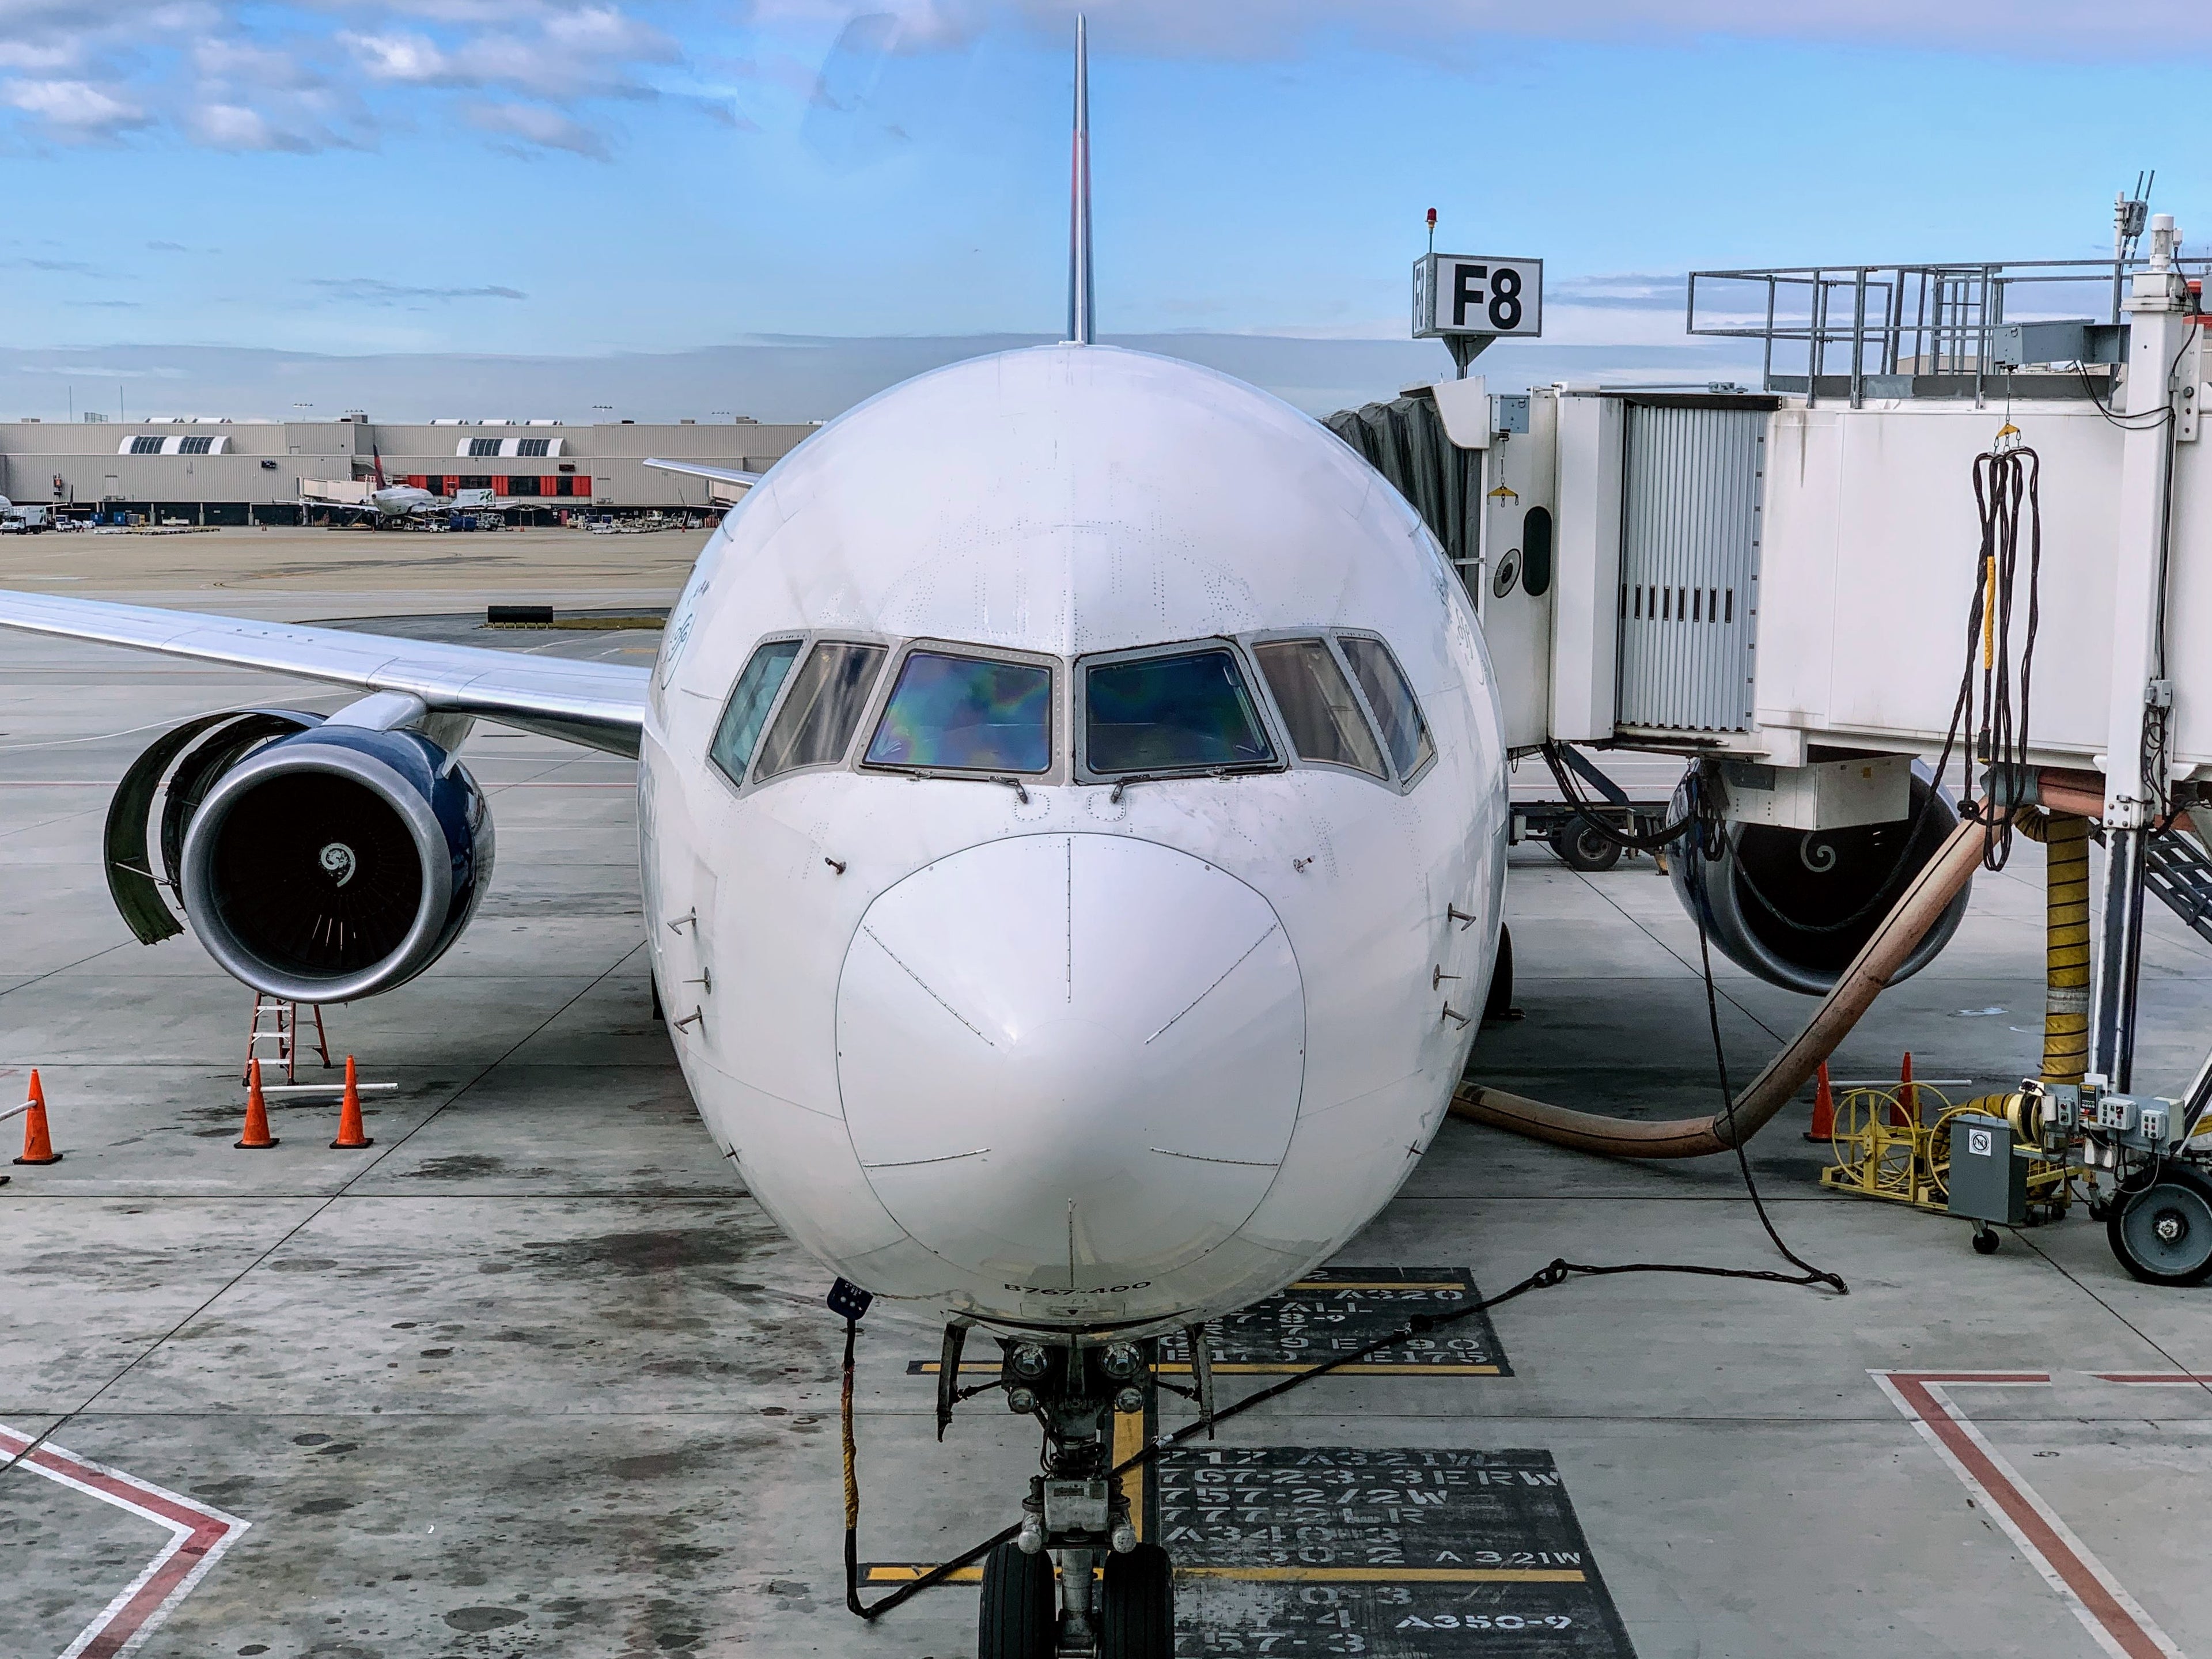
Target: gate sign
x=1477 y=293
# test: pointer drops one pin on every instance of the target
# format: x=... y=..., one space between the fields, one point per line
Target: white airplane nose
x=1071 y=1062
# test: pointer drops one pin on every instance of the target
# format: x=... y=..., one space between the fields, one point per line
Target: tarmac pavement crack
x=308 y=1220
x=40 y=979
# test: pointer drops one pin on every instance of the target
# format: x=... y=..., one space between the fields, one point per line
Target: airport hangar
x=212 y=469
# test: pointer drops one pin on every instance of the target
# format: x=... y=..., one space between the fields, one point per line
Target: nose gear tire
x=1020 y=1612
x=2163 y=1234
x=1137 y=1605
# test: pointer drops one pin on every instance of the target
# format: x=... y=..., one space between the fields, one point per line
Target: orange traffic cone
x=1907 y=1110
x=1823 y=1107
x=256 y=1137
x=37 y=1142
x=351 y=1133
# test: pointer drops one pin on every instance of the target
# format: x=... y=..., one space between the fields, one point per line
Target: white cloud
x=236 y=127
x=229 y=59
x=534 y=123
x=74 y=108
x=563 y=52
x=410 y=59
x=306 y=74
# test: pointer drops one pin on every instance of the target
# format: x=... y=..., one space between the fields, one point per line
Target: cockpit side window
x=955 y=712
x=1405 y=734
x=1181 y=711
x=1317 y=705
x=815 y=726
x=746 y=712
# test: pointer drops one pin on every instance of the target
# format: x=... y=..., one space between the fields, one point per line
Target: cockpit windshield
x=967 y=715
x=1190 y=711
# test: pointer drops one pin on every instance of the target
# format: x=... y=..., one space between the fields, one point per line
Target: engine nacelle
x=336 y=862
x=1794 y=906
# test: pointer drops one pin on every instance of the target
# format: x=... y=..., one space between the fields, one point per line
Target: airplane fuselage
x=1033 y=1022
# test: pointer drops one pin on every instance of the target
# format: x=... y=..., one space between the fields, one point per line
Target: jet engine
x=1794 y=906
x=318 y=861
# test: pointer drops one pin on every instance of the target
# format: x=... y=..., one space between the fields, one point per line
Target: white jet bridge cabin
x=1961 y=534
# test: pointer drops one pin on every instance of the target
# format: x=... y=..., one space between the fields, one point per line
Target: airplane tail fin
x=379 y=459
x=1079 y=294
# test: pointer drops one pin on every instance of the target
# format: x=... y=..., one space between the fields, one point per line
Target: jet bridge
x=1792 y=584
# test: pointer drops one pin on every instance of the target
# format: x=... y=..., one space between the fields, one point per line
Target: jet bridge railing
x=1917 y=331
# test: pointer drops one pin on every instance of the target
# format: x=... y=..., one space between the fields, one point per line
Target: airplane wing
x=701 y=470
x=599 y=704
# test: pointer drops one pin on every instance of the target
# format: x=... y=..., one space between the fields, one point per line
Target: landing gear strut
x=1077 y=1516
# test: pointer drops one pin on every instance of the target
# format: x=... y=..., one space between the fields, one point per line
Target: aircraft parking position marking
x=2112 y=1616
x=198 y=1536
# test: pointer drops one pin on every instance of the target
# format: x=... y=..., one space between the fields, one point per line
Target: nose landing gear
x=1076 y=1516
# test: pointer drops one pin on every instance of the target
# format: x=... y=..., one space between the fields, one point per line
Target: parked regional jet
x=400 y=503
x=1071 y=807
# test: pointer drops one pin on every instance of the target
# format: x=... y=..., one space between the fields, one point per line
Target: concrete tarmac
x=533 y=1376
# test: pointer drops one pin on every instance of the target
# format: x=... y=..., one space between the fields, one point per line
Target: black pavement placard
x=1338 y=1549
x=1341 y=1310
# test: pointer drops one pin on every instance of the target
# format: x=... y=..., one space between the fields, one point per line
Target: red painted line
x=197 y=1537
x=2119 y=1623
x=2156 y=1379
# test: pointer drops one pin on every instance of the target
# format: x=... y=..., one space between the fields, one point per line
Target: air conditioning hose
x=1916 y=911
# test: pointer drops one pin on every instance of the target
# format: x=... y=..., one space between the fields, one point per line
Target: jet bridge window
x=1187 y=712
x=966 y=715
x=1317 y=705
x=746 y=712
x=1405 y=734
x=815 y=726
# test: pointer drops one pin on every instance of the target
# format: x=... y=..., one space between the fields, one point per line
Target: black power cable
x=1592 y=816
x=2004 y=478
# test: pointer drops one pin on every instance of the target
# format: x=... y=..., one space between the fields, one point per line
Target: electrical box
x=1842 y=795
x=1987 y=1180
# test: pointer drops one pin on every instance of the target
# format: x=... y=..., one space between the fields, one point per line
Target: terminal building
x=210 y=470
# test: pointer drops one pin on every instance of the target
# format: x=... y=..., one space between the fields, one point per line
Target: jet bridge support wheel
x=2163 y=1234
x=1020 y=1613
x=1137 y=1605
x=1582 y=847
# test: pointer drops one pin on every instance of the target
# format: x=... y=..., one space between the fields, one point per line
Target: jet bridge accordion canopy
x=1404 y=440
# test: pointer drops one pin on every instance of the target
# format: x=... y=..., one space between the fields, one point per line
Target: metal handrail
x=1934 y=318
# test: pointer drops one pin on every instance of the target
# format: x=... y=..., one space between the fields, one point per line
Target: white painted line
x=2112 y=1616
x=198 y=1536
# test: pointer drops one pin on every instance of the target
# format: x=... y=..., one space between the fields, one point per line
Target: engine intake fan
x=318 y=861
x=1794 y=906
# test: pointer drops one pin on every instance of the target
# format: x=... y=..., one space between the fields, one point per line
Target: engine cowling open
x=1795 y=906
x=318 y=861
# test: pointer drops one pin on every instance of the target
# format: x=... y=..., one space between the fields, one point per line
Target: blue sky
x=544 y=177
